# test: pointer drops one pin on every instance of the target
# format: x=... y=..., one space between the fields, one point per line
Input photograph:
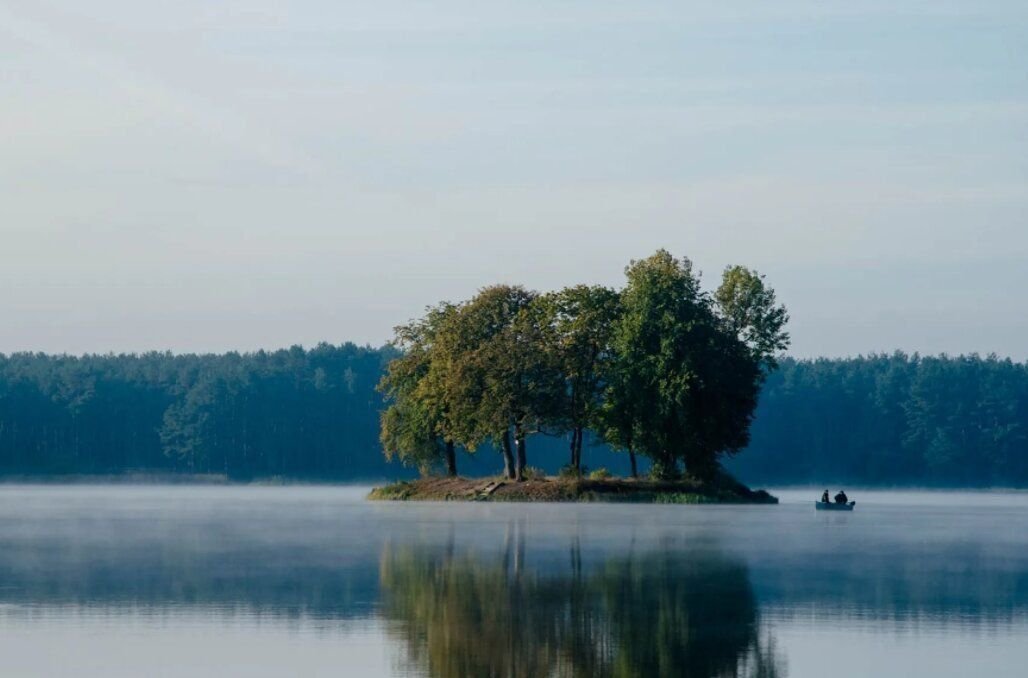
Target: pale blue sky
x=211 y=176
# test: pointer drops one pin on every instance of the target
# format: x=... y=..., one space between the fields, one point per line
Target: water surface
x=264 y=581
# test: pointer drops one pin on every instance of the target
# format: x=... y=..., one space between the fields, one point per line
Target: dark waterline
x=125 y=580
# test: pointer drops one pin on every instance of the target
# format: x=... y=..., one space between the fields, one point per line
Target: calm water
x=198 y=581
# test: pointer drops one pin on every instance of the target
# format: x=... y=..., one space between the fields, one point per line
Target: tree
x=579 y=320
x=685 y=381
x=414 y=424
x=500 y=382
x=662 y=309
x=620 y=414
x=750 y=311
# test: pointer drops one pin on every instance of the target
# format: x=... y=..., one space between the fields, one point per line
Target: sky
x=198 y=176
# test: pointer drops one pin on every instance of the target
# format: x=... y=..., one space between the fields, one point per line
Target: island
x=725 y=490
x=660 y=369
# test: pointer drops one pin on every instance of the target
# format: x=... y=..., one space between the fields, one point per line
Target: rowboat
x=824 y=506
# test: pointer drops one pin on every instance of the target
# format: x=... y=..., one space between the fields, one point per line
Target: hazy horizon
x=203 y=178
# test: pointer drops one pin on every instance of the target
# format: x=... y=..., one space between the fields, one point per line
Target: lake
x=315 y=581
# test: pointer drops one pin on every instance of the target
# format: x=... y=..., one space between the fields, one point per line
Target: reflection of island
x=659 y=614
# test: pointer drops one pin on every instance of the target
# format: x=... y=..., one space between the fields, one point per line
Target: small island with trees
x=660 y=369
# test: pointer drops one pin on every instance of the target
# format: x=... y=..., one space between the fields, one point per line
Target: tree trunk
x=508 y=458
x=451 y=460
x=578 y=449
x=519 y=550
x=573 y=461
x=519 y=447
x=631 y=457
x=576 y=559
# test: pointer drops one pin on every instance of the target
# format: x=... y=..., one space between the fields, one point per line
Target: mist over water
x=316 y=581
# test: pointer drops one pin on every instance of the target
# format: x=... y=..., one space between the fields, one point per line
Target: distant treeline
x=295 y=413
x=314 y=414
x=892 y=419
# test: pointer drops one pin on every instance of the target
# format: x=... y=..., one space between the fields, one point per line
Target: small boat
x=826 y=506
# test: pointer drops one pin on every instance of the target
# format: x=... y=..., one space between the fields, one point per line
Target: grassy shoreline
x=723 y=490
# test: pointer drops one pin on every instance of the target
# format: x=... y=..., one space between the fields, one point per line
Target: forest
x=292 y=413
x=892 y=419
x=314 y=414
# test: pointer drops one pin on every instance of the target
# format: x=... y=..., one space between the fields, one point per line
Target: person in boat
x=824 y=497
x=841 y=498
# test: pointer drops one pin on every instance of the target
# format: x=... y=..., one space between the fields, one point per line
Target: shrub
x=664 y=471
x=680 y=498
x=600 y=474
x=569 y=472
x=533 y=473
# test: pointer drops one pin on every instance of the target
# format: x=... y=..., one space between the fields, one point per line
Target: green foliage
x=663 y=469
x=414 y=425
x=580 y=320
x=659 y=367
x=750 y=310
x=521 y=382
x=684 y=385
x=491 y=372
x=600 y=474
x=394 y=492
x=292 y=413
x=570 y=472
x=533 y=473
x=682 y=498
x=893 y=419
x=408 y=433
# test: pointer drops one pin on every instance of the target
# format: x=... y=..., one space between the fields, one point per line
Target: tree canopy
x=660 y=368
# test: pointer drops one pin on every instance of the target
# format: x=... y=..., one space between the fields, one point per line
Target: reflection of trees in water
x=655 y=614
x=672 y=614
